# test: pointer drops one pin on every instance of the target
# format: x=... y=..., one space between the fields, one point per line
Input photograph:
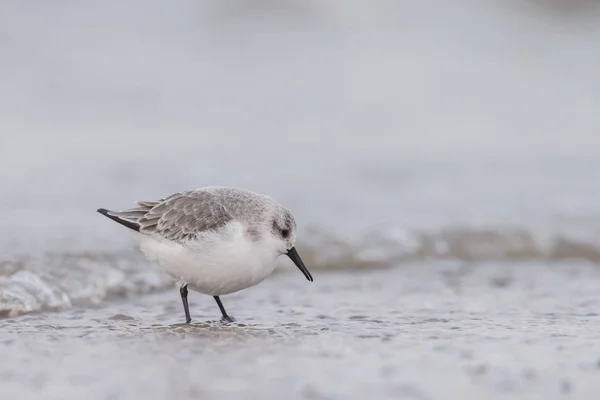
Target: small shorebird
x=213 y=240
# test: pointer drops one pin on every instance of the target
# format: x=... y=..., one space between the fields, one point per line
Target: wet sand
x=438 y=331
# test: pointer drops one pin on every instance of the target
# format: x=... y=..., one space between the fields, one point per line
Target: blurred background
x=399 y=129
x=400 y=133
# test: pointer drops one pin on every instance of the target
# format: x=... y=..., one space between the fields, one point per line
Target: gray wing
x=180 y=216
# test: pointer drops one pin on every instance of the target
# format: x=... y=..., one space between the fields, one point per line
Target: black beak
x=295 y=257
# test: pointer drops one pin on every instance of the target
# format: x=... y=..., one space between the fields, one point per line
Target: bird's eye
x=285 y=233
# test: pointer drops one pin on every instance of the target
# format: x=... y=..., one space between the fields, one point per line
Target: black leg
x=225 y=316
x=184 y=292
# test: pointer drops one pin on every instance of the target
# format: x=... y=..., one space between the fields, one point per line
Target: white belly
x=218 y=264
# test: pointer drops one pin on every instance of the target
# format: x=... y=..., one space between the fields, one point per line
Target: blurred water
x=398 y=132
x=396 y=129
x=526 y=331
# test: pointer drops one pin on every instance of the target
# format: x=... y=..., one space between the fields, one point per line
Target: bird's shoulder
x=187 y=214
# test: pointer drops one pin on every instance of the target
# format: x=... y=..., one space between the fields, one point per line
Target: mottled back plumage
x=184 y=216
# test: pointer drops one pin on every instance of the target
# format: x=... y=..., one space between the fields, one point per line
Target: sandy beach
x=419 y=332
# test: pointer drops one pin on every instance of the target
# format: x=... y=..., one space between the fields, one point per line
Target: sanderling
x=214 y=240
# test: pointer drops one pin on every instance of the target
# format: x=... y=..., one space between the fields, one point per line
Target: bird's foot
x=227 y=319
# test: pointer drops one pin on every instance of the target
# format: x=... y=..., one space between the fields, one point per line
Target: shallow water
x=446 y=330
x=440 y=158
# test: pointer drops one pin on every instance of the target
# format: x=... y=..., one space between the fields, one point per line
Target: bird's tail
x=122 y=218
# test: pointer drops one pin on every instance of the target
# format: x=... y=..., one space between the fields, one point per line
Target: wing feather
x=184 y=216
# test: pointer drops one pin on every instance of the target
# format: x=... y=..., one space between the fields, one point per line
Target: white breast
x=218 y=263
